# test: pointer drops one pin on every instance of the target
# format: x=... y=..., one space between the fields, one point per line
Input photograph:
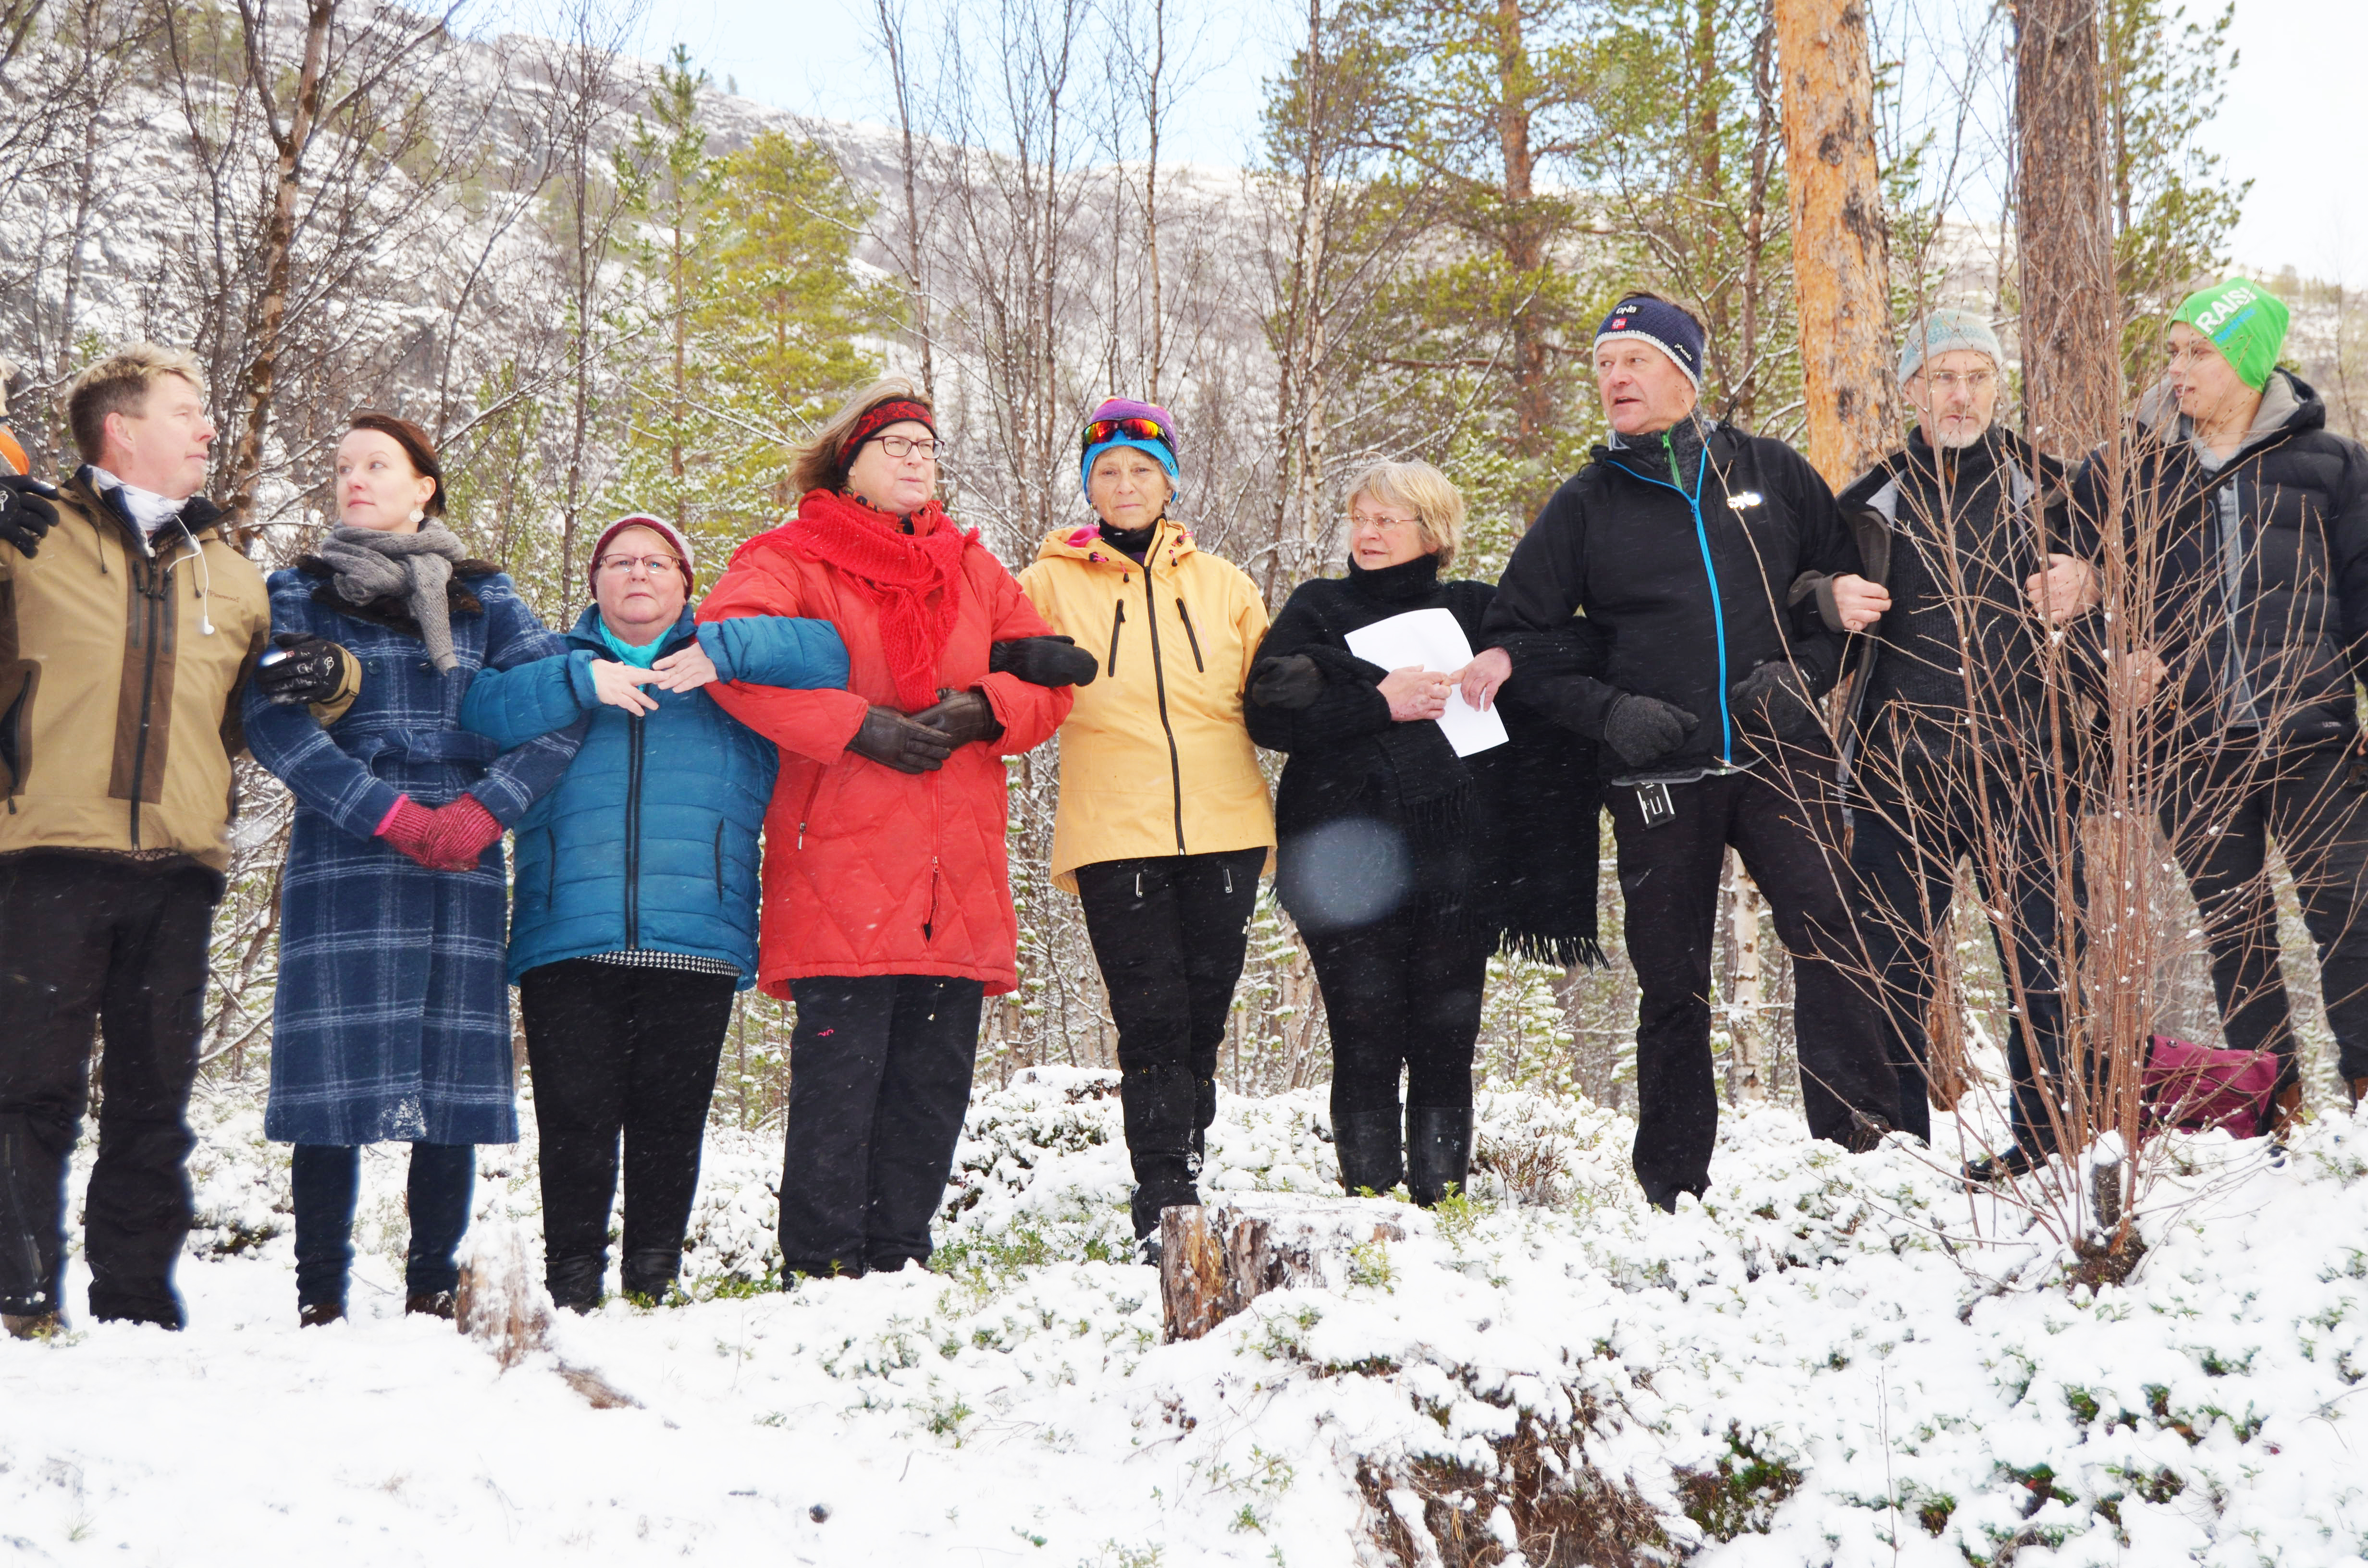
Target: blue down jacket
x=650 y=840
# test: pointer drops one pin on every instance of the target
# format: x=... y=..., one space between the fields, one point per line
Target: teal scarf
x=640 y=658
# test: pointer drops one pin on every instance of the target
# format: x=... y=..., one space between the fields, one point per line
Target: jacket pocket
x=1189 y=635
x=719 y=858
x=1110 y=665
x=17 y=727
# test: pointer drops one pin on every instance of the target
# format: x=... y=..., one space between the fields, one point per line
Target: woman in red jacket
x=887 y=915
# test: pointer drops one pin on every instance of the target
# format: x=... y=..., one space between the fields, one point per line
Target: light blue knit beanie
x=1945 y=331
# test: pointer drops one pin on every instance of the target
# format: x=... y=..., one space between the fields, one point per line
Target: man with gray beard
x=1956 y=713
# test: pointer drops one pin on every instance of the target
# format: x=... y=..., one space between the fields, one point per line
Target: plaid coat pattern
x=392 y=1018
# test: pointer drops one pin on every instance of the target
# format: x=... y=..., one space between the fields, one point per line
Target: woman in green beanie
x=2253 y=518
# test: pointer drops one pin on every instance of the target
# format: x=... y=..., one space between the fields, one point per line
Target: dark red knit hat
x=658 y=525
x=878 y=418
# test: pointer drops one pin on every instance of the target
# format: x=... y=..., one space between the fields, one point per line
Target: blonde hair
x=819 y=464
x=1431 y=495
x=121 y=384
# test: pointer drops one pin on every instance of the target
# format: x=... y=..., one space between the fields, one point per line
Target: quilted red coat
x=868 y=870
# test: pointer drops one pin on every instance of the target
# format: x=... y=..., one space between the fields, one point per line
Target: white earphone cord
x=205 y=578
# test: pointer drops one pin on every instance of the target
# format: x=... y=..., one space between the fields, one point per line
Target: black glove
x=1293 y=682
x=890 y=739
x=27 y=511
x=311 y=669
x=1043 y=661
x=1643 y=730
x=1775 y=698
x=962 y=717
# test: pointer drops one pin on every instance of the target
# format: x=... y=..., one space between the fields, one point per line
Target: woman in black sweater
x=1390 y=843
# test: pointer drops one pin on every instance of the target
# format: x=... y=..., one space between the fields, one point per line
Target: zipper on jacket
x=633 y=836
x=718 y=860
x=1717 y=610
x=149 y=593
x=1159 y=685
x=1110 y=665
x=930 y=921
x=805 y=812
x=1189 y=635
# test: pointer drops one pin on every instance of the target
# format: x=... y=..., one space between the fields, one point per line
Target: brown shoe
x=2285 y=1113
x=320 y=1312
x=435 y=1304
x=2358 y=1087
x=32 y=1325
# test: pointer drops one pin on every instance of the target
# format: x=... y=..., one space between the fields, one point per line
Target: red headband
x=879 y=417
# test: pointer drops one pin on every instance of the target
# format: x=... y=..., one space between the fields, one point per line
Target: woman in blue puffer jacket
x=635 y=903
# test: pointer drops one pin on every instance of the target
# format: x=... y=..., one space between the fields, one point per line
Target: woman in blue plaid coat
x=392 y=1018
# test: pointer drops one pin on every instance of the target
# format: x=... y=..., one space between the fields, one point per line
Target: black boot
x=575 y=1282
x=1367 y=1142
x=1156 y=1104
x=1439 y=1151
x=650 y=1274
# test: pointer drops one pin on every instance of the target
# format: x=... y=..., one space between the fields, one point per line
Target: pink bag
x=2195 y=1087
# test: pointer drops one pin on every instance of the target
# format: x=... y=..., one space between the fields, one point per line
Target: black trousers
x=621 y=1052
x=1401 y=993
x=1169 y=933
x=325 y=1179
x=1783 y=822
x=2219 y=818
x=1906 y=859
x=880 y=1071
x=87 y=942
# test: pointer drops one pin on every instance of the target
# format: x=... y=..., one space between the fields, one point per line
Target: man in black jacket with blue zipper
x=1678 y=542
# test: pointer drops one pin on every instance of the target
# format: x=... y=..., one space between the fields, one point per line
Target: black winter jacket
x=1685 y=590
x=1505 y=838
x=1950 y=533
x=2261 y=579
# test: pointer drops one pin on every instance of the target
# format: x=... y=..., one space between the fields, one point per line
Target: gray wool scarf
x=413 y=567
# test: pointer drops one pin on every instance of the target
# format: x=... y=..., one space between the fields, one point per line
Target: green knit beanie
x=2244 y=320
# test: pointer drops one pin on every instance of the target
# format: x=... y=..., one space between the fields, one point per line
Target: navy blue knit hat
x=1660 y=323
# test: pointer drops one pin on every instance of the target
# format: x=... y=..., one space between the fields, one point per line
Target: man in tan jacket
x=128 y=626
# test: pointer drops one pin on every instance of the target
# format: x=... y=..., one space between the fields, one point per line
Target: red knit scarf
x=915 y=580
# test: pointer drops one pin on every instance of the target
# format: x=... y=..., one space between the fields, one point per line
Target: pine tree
x=2173 y=208
x=782 y=316
x=671 y=182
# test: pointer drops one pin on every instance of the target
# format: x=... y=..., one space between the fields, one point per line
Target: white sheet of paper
x=1435 y=640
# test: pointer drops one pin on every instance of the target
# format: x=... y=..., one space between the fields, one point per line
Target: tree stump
x=1214 y=1259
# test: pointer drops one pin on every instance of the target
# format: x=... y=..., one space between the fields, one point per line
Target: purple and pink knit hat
x=1158 y=439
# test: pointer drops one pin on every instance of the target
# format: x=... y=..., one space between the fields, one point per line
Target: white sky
x=2296 y=121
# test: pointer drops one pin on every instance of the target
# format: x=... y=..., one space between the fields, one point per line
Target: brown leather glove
x=962 y=717
x=891 y=740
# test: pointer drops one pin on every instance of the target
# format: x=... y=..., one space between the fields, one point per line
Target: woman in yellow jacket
x=1164 y=823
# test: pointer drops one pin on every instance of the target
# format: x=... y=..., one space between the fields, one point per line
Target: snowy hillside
x=1838 y=1359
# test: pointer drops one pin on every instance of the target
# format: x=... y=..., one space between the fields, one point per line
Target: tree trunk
x=276 y=261
x=1215 y=1261
x=1522 y=246
x=2071 y=312
x=1841 y=250
x=1744 y=993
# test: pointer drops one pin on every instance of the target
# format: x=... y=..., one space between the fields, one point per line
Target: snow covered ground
x=1836 y=1360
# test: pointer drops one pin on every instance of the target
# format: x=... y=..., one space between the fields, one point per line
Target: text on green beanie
x=2244 y=320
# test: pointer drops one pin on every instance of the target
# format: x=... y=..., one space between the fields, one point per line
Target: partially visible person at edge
x=1164 y=827
x=12 y=450
x=1391 y=842
x=133 y=626
x=1678 y=541
x=887 y=905
x=1956 y=707
x=391 y=1022
x=2258 y=518
x=635 y=912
